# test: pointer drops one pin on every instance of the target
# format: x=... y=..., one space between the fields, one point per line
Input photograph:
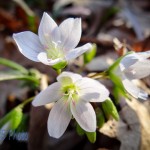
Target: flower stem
x=26 y=101
x=98 y=75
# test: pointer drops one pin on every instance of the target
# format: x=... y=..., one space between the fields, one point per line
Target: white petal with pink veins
x=47 y=96
x=92 y=90
x=78 y=51
x=29 y=44
x=70 y=30
x=47 y=31
x=59 y=119
x=84 y=114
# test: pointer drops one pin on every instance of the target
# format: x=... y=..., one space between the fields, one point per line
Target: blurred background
x=109 y=24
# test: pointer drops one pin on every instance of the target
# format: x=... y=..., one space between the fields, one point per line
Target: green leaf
x=91 y=136
x=110 y=109
x=100 y=117
x=79 y=130
x=12 y=75
x=14 y=117
x=90 y=54
x=23 y=124
x=13 y=65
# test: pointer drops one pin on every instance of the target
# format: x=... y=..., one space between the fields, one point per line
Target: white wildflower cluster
x=55 y=46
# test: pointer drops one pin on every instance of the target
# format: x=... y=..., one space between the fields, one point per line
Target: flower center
x=71 y=92
x=54 y=51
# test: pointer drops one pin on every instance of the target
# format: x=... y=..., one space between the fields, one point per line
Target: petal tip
x=143 y=95
x=79 y=19
x=34 y=103
x=45 y=14
x=90 y=45
x=14 y=34
x=52 y=135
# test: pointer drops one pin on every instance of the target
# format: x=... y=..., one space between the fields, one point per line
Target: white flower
x=53 y=44
x=134 y=66
x=73 y=94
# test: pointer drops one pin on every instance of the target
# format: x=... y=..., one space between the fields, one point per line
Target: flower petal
x=145 y=55
x=70 y=33
x=133 y=58
x=48 y=30
x=129 y=60
x=139 y=70
x=73 y=76
x=59 y=119
x=134 y=90
x=29 y=44
x=47 y=96
x=92 y=90
x=84 y=114
x=42 y=57
x=78 y=51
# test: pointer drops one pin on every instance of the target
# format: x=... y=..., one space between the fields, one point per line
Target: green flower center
x=54 y=51
x=71 y=92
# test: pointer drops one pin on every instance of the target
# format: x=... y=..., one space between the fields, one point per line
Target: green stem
x=13 y=65
x=32 y=79
x=99 y=75
x=26 y=102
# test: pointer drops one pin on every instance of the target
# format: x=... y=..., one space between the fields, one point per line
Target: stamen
x=55 y=45
x=71 y=92
x=53 y=50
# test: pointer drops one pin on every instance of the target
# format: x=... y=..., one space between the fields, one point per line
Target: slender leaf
x=13 y=65
x=12 y=75
x=23 y=125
